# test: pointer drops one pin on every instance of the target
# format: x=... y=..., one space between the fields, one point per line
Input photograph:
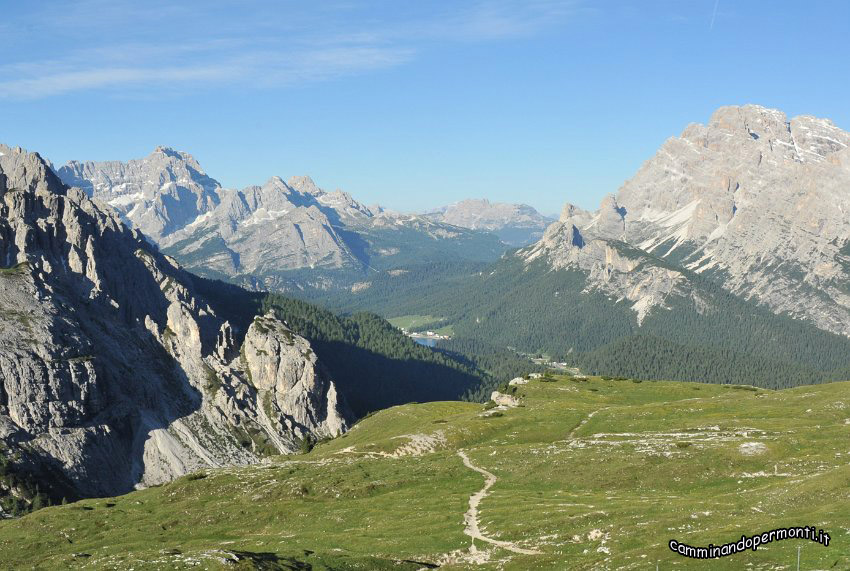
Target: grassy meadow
x=589 y=474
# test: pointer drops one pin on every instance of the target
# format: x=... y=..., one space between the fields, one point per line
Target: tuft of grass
x=213 y=381
x=16 y=270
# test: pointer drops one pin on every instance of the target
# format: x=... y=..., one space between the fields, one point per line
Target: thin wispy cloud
x=249 y=69
x=109 y=46
x=500 y=20
x=714 y=14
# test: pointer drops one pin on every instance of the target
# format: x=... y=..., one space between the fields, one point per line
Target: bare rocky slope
x=114 y=373
x=514 y=224
x=752 y=200
x=279 y=235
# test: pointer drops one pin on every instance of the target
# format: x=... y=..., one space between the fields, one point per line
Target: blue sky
x=409 y=104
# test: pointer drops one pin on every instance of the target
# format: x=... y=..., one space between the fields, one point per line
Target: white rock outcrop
x=502 y=399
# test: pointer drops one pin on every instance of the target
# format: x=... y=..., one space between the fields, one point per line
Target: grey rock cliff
x=112 y=370
x=295 y=390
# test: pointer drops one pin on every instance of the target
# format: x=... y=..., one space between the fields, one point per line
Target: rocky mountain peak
x=305 y=185
x=754 y=120
x=27 y=172
x=470 y=203
x=610 y=220
x=158 y=195
x=278 y=182
x=570 y=211
x=762 y=133
x=171 y=153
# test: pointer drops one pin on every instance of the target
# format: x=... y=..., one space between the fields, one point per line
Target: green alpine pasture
x=418 y=323
x=410 y=322
x=589 y=474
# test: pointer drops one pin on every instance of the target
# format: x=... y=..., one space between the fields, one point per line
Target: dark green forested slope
x=652 y=357
x=415 y=245
x=403 y=289
x=536 y=309
x=500 y=363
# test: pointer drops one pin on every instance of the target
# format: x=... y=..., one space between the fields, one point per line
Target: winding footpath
x=584 y=421
x=470 y=518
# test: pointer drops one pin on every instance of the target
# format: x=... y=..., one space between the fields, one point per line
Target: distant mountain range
x=285 y=235
x=514 y=224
